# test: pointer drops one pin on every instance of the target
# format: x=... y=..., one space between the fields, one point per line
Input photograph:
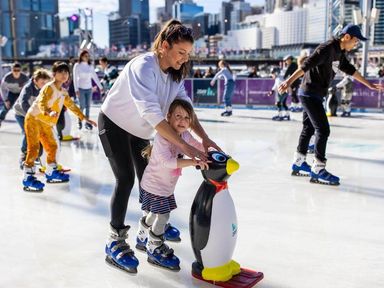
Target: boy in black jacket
x=319 y=69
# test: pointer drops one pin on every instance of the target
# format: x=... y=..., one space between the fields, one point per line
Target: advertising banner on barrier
x=188 y=88
x=364 y=97
x=258 y=92
x=203 y=92
x=240 y=93
x=255 y=92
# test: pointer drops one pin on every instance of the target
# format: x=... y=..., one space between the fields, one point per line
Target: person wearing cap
x=291 y=68
x=11 y=86
x=318 y=71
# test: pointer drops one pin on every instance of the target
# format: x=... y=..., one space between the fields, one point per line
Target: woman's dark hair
x=174 y=32
x=60 y=67
x=82 y=53
x=146 y=152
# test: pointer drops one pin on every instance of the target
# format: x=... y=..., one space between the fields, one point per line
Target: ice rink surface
x=300 y=235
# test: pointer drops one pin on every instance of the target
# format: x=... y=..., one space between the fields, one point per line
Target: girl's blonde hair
x=146 y=152
x=174 y=32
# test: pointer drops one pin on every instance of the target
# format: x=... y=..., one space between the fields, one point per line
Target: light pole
x=366 y=26
x=371 y=16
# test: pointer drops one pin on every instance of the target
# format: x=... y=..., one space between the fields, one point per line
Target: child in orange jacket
x=40 y=118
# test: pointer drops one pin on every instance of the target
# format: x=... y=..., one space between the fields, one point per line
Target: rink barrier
x=254 y=92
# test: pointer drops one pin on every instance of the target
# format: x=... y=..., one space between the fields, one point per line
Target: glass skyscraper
x=28 y=24
x=131 y=27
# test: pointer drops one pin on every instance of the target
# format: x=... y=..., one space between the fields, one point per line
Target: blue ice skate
x=119 y=254
x=324 y=177
x=57 y=177
x=303 y=170
x=31 y=184
x=172 y=233
x=160 y=254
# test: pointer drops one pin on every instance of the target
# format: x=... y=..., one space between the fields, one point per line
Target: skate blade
x=33 y=190
x=178 y=239
x=112 y=263
x=57 y=181
x=316 y=181
x=300 y=174
x=154 y=263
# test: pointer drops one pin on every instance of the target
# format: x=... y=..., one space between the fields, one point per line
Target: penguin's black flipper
x=200 y=217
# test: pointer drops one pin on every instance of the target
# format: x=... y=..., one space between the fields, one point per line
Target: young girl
x=158 y=184
x=40 y=119
x=83 y=74
x=229 y=85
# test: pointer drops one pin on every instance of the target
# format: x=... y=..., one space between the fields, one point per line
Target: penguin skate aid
x=213 y=228
x=41 y=117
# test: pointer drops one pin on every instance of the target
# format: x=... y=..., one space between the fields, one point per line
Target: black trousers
x=315 y=121
x=294 y=97
x=124 y=154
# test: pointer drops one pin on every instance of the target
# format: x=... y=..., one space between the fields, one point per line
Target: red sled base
x=246 y=279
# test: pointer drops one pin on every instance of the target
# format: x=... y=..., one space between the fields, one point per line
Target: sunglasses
x=16 y=70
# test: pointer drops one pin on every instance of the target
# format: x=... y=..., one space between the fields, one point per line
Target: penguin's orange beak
x=232 y=166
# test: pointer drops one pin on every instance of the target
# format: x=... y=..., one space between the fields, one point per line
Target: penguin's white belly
x=223 y=231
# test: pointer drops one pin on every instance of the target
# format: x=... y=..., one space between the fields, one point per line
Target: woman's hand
x=193 y=153
x=208 y=143
x=212 y=83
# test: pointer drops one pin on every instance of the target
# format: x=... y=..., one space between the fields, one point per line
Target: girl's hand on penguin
x=201 y=165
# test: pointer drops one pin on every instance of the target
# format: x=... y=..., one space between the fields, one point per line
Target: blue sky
x=101 y=8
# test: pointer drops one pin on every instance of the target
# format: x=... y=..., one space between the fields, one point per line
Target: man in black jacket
x=319 y=69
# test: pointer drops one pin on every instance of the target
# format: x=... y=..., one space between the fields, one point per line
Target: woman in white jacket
x=83 y=74
x=133 y=110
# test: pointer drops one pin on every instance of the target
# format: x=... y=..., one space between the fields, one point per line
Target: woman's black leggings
x=124 y=154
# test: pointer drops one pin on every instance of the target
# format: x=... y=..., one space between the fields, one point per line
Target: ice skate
x=30 y=182
x=172 y=233
x=119 y=254
x=142 y=235
x=160 y=254
x=53 y=175
x=21 y=160
x=286 y=117
x=300 y=167
x=227 y=112
x=320 y=175
x=277 y=118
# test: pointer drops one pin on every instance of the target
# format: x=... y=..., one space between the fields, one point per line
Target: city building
x=240 y=10
x=378 y=28
x=129 y=27
x=185 y=11
x=28 y=25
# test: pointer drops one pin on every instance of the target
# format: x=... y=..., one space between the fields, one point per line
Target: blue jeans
x=4 y=110
x=85 y=100
x=20 y=120
x=229 y=88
